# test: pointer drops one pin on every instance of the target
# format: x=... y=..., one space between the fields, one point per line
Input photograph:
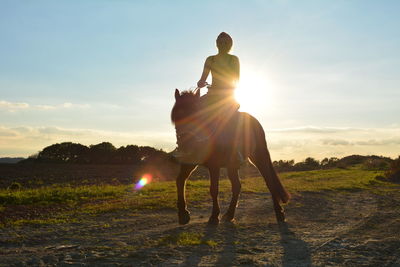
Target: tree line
x=102 y=153
x=368 y=162
x=107 y=153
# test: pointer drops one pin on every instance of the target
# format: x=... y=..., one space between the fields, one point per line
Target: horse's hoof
x=280 y=217
x=213 y=221
x=228 y=218
x=184 y=217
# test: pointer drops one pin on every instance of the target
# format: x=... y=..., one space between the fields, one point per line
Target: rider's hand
x=201 y=83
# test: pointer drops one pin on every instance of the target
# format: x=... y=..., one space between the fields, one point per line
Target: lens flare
x=255 y=93
x=146 y=179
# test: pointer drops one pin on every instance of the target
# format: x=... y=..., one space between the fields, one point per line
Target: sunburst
x=254 y=92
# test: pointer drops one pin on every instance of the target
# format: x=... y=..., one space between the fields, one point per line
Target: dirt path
x=323 y=229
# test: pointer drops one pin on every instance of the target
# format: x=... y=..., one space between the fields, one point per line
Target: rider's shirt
x=224 y=72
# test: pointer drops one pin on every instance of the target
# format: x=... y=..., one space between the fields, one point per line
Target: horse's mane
x=186 y=102
x=187 y=93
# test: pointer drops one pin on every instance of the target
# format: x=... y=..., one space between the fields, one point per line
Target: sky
x=322 y=77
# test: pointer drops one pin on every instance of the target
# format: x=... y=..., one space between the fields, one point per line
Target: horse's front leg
x=236 y=187
x=184 y=173
x=214 y=182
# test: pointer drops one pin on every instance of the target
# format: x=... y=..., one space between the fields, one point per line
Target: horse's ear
x=177 y=94
x=197 y=93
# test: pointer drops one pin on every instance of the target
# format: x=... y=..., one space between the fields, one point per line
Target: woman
x=217 y=106
x=225 y=72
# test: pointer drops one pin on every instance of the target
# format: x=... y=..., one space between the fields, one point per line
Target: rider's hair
x=224 y=42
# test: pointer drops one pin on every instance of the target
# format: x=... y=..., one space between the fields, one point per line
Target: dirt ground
x=323 y=229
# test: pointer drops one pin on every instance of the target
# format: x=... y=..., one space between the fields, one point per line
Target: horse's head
x=186 y=105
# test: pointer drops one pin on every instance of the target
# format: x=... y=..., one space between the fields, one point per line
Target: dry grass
x=97 y=199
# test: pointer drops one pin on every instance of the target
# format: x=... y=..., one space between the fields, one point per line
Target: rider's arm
x=236 y=68
x=206 y=71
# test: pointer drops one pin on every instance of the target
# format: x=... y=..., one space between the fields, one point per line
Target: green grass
x=158 y=195
x=163 y=194
x=59 y=194
x=98 y=199
x=42 y=221
x=185 y=239
x=320 y=180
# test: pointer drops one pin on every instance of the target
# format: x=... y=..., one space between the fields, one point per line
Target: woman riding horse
x=218 y=106
x=193 y=116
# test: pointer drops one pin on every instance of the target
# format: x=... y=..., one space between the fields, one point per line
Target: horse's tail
x=261 y=158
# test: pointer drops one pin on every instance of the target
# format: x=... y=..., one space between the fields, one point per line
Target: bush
x=283 y=165
x=376 y=164
x=329 y=163
x=393 y=174
x=307 y=165
x=341 y=165
x=15 y=186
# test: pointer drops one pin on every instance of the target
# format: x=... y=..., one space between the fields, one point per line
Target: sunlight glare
x=254 y=93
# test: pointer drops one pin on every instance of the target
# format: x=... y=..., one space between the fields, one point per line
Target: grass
x=185 y=239
x=320 y=180
x=98 y=199
x=48 y=221
x=58 y=194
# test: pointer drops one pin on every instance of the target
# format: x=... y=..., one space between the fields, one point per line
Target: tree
x=324 y=162
x=283 y=165
x=394 y=172
x=64 y=152
x=147 y=152
x=128 y=154
x=102 y=153
x=312 y=163
x=308 y=164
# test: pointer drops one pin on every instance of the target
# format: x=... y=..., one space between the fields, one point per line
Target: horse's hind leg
x=184 y=173
x=279 y=211
x=236 y=187
x=214 y=183
x=262 y=160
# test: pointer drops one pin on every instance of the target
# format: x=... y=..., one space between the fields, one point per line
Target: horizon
x=322 y=78
x=161 y=149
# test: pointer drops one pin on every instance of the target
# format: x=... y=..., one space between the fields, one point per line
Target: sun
x=254 y=93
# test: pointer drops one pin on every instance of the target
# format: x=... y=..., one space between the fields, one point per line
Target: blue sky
x=92 y=71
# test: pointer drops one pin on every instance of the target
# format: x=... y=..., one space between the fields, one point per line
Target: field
x=337 y=217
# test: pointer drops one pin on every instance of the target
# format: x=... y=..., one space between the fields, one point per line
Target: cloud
x=371 y=142
x=55 y=131
x=70 y=105
x=5 y=132
x=15 y=106
x=379 y=142
x=12 y=106
x=25 y=140
x=318 y=130
x=317 y=142
x=336 y=142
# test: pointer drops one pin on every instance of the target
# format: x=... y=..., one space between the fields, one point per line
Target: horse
x=248 y=139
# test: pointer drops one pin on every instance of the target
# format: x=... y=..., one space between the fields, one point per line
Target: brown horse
x=248 y=138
